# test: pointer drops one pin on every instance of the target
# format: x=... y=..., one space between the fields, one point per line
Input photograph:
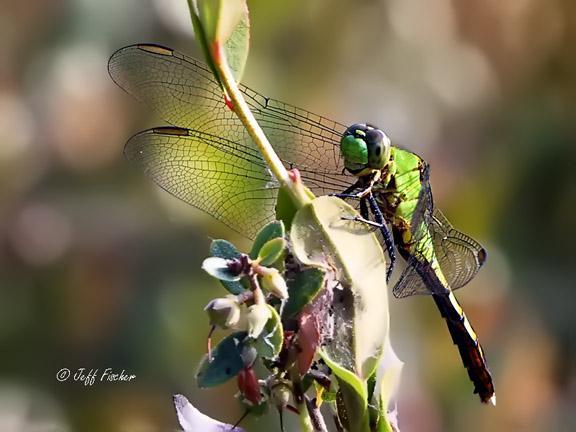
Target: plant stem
x=298 y=195
x=315 y=415
x=305 y=421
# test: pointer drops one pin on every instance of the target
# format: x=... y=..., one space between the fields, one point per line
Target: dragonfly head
x=365 y=148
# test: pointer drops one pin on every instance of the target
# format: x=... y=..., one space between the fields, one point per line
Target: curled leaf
x=321 y=237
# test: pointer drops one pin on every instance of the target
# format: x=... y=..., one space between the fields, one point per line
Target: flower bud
x=274 y=283
x=258 y=315
x=224 y=312
x=280 y=394
x=249 y=386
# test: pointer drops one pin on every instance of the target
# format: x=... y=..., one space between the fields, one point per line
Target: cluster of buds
x=228 y=312
x=262 y=317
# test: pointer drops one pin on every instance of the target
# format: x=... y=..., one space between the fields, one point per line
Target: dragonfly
x=207 y=159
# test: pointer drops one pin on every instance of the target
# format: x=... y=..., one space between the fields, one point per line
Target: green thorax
x=398 y=192
x=400 y=186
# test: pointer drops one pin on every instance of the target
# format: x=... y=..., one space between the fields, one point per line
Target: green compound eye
x=355 y=152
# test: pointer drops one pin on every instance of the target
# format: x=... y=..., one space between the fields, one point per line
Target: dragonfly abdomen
x=466 y=340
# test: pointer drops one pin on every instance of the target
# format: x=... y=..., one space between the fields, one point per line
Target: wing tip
x=147 y=47
x=155 y=49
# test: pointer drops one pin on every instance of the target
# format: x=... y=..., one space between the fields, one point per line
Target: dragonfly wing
x=229 y=181
x=184 y=92
x=410 y=282
x=459 y=256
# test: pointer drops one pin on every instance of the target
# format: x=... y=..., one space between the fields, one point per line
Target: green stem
x=305 y=421
x=297 y=193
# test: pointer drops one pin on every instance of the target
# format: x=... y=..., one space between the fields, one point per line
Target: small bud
x=224 y=312
x=258 y=315
x=274 y=283
x=280 y=394
x=249 y=386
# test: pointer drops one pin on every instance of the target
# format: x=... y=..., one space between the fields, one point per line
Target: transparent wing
x=229 y=181
x=460 y=257
x=184 y=92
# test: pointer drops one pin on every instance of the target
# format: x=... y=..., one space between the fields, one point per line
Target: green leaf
x=271 y=251
x=224 y=22
x=387 y=380
x=303 y=289
x=226 y=361
x=238 y=45
x=321 y=237
x=270 y=341
x=202 y=38
x=271 y=231
x=354 y=394
x=224 y=249
x=285 y=207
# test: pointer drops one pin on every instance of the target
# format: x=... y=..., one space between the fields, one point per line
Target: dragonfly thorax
x=364 y=148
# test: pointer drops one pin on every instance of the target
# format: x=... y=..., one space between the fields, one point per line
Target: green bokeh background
x=100 y=269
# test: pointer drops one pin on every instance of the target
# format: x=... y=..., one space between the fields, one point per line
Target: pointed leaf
x=238 y=44
x=202 y=38
x=271 y=251
x=227 y=23
x=354 y=394
x=387 y=380
x=308 y=339
x=226 y=361
x=271 y=231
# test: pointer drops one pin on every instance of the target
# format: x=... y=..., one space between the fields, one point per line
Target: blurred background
x=98 y=268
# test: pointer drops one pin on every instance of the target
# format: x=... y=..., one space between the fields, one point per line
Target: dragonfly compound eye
x=354 y=148
x=364 y=146
x=378 y=148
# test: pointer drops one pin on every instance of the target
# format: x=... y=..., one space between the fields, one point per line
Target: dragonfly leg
x=363 y=220
x=347 y=193
x=386 y=234
x=364 y=209
x=358 y=195
x=366 y=190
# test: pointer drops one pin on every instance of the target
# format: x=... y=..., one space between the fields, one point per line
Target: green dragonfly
x=207 y=159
